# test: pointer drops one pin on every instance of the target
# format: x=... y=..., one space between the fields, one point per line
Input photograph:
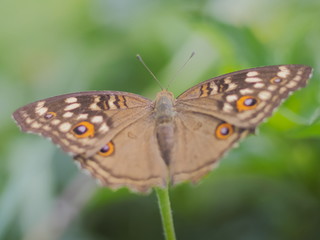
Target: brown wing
x=201 y=140
x=81 y=123
x=245 y=98
x=130 y=159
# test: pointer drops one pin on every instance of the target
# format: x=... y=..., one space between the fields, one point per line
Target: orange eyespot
x=224 y=130
x=247 y=103
x=107 y=149
x=49 y=115
x=275 y=80
x=83 y=129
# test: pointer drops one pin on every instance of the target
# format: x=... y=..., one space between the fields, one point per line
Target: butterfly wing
x=201 y=140
x=130 y=159
x=81 y=123
x=210 y=118
x=213 y=115
x=105 y=131
x=245 y=98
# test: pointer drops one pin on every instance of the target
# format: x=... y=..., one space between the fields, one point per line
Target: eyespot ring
x=83 y=129
x=276 y=80
x=224 y=130
x=107 y=149
x=247 y=103
x=49 y=115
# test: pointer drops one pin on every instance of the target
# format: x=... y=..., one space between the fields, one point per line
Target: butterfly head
x=164 y=97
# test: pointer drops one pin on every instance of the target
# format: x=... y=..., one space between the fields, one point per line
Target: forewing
x=80 y=123
x=245 y=98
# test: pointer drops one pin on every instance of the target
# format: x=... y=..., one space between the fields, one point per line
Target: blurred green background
x=268 y=188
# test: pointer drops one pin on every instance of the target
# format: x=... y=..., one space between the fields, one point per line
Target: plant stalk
x=166 y=213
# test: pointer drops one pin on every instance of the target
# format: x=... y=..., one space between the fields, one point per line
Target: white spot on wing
x=72 y=106
x=55 y=122
x=41 y=111
x=97 y=119
x=55 y=133
x=67 y=114
x=264 y=95
x=232 y=98
x=214 y=88
x=291 y=84
x=65 y=127
x=283 y=68
x=71 y=100
x=253 y=79
x=227 y=107
x=83 y=116
x=282 y=90
x=259 y=85
x=297 y=78
x=70 y=136
x=272 y=87
x=284 y=72
x=232 y=86
x=227 y=80
x=36 y=125
x=252 y=74
x=94 y=107
x=29 y=120
x=104 y=127
x=40 y=104
x=111 y=102
x=246 y=91
x=47 y=127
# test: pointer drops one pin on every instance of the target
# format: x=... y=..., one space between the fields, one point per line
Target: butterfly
x=126 y=140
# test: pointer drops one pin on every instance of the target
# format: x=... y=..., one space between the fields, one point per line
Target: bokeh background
x=267 y=188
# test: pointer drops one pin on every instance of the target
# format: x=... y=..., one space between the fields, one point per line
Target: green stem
x=166 y=213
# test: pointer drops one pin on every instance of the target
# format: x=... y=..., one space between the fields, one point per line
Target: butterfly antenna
x=179 y=70
x=148 y=69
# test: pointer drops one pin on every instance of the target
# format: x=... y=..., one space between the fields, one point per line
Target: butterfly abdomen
x=165 y=127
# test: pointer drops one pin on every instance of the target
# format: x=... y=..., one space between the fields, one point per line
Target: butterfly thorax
x=165 y=127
